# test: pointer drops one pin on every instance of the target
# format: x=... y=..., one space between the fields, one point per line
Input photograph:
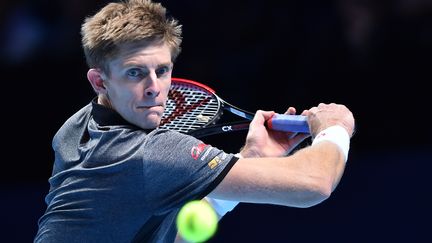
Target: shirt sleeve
x=178 y=168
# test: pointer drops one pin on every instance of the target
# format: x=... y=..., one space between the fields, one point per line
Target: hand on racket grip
x=288 y=123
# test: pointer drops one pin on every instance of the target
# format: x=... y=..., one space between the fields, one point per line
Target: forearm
x=310 y=175
x=325 y=162
x=303 y=179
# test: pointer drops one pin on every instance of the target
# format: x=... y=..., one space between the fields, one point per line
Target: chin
x=152 y=121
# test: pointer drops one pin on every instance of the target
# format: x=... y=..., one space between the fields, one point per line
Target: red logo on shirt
x=196 y=150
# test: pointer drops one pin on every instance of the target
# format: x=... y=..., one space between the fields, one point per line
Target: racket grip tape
x=288 y=123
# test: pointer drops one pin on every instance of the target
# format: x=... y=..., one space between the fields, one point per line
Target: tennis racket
x=194 y=108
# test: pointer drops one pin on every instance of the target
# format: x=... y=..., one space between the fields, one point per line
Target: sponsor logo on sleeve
x=206 y=154
x=197 y=150
x=214 y=162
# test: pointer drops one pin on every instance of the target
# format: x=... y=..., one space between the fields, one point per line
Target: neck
x=103 y=100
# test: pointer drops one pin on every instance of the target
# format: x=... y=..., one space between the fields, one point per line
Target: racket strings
x=189 y=108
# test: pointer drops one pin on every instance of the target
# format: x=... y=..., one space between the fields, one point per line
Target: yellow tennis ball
x=197 y=221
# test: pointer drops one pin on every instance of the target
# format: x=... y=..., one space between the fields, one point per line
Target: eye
x=135 y=73
x=162 y=70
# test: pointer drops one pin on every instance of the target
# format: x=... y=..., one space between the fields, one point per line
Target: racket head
x=190 y=106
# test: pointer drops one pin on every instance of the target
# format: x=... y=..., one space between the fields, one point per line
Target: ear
x=97 y=82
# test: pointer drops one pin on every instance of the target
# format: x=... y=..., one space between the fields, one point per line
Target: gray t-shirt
x=115 y=182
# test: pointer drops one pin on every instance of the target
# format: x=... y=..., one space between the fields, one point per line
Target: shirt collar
x=106 y=116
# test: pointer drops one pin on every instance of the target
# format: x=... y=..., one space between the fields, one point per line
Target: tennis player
x=118 y=178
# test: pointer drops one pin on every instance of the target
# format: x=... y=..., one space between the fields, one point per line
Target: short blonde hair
x=127 y=22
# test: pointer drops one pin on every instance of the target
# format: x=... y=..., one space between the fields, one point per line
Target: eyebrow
x=133 y=64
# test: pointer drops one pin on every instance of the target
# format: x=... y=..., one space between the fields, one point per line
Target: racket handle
x=288 y=123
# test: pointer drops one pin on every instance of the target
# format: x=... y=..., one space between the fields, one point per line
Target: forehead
x=142 y=51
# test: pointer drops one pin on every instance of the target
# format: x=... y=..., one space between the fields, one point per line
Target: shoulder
x=77 y=121
x=82 y=115
x=169 y=136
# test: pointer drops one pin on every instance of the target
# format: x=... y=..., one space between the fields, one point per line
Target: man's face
x=139 y=81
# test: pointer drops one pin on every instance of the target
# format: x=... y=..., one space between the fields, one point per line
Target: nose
x=152 y=88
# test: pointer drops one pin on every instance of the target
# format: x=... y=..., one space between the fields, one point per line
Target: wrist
x=337 y=135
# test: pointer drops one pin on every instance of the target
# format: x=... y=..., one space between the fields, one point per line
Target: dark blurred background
x=373 y=56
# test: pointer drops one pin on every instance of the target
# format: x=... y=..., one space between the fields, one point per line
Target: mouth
x=150 y=107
